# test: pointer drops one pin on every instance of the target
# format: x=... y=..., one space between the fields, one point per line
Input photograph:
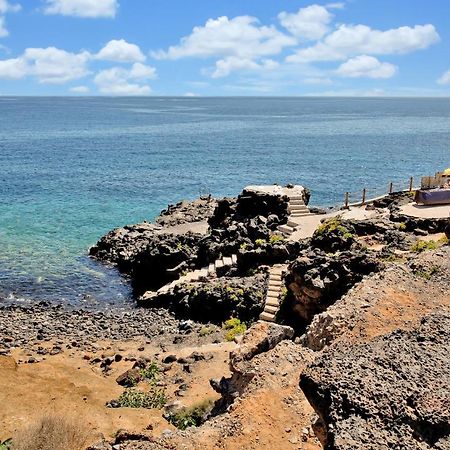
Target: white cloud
x=49 y=65
x=366 y=66
x=445 y=78
x=241 y=37
x=120 y=51
x=239 y=43
x=336 y=5
x=120 y=81
x=6 y=7
x=349 y=40
x=79 y=89
x=82 y=8
x=309 y=23
x=225 y=66
x=13 y=69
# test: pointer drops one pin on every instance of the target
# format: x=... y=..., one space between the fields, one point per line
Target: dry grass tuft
x=53 y=433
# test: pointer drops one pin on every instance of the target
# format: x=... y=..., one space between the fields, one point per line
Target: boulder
x=390 y=393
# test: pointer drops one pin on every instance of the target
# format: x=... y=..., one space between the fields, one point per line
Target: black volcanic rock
x=390 y=393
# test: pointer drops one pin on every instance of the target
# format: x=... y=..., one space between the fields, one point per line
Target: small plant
x=427 y=274
x=260 y=242
x=6 y=445
x=244 y=246
x=402 y=226
x=234 y=327
x=52 y=433
x=150 y=373
x=190 y=417
x=421 y=246
x=334 y=225
x=205 y=331
x=275 y=238
x=132 y=398
x=284 y=293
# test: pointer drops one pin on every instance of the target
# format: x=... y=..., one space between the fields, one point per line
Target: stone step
x=275 y=283
x=203 y=273
x=300 y=214
x=296 y=203
x=276 y=272
x=234 y=259
x=272 y=302
x=227 y=261
x=286 y=229
x=211 y=269
x=293 y=208
x=295 y=197
x=274 y=292
x=267 y=317
x=271 y=309
x=291 y=223
x=218 y=264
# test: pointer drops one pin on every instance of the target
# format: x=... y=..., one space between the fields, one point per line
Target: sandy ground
x=68 y=384
x=426 y=211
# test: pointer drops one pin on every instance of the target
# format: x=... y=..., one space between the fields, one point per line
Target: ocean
x=72 y=169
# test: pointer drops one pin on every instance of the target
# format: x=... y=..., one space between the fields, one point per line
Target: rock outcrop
x=215 y=300
x=390 y=393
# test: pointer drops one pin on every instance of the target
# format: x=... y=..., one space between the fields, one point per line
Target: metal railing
x=370 y=194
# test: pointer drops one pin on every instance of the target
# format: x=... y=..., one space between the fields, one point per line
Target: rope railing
x=369 y=194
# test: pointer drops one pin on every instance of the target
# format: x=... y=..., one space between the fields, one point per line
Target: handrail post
x=363 y=197
x=346 y=201
x=391 y=187
x=411 y=180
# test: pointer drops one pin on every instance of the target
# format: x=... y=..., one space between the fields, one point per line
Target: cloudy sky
x=225 y=47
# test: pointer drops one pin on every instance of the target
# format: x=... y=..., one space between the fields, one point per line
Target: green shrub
x=275 y=238
x=332 y=225
x=260 y=242
x=421 y=246
x=6 y=445
x=427 y=274
x=205 y=331
x=192 y=416
x=132 y=398
x=234 y=327
x=402 y=226
x=150 y=373
x=243 y=246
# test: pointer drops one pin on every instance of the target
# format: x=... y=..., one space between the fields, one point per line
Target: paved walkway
x=426 y=211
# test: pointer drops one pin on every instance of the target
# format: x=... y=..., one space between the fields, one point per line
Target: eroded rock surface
x=390 y=393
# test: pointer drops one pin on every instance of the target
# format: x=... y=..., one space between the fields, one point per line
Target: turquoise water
x=73 y=168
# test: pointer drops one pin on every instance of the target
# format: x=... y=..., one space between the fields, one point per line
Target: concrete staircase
x=273 y=294
x=216 y=268
x=296 y=209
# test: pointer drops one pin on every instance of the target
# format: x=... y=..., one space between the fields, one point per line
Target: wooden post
x=411 y=180
x=364 y=197
x=391 y=187
x=346 y=200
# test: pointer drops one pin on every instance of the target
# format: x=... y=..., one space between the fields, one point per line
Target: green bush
x=132 y=398
x=332 y=225
x=260 y=242
x=192 y=416
x=205 y=331
x=234 y=327
x=427 y=274
x=421 y=246
x=275 y=238
x=402 y=226
x=6 y=445
x=150 y=373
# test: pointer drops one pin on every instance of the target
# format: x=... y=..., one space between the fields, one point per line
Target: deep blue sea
x=71 y=169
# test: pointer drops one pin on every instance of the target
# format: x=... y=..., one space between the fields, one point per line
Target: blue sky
x=225 y=47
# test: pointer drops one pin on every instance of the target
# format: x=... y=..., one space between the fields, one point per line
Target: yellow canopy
x=446 y=171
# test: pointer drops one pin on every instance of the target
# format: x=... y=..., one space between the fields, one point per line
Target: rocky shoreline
x=354 y=296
